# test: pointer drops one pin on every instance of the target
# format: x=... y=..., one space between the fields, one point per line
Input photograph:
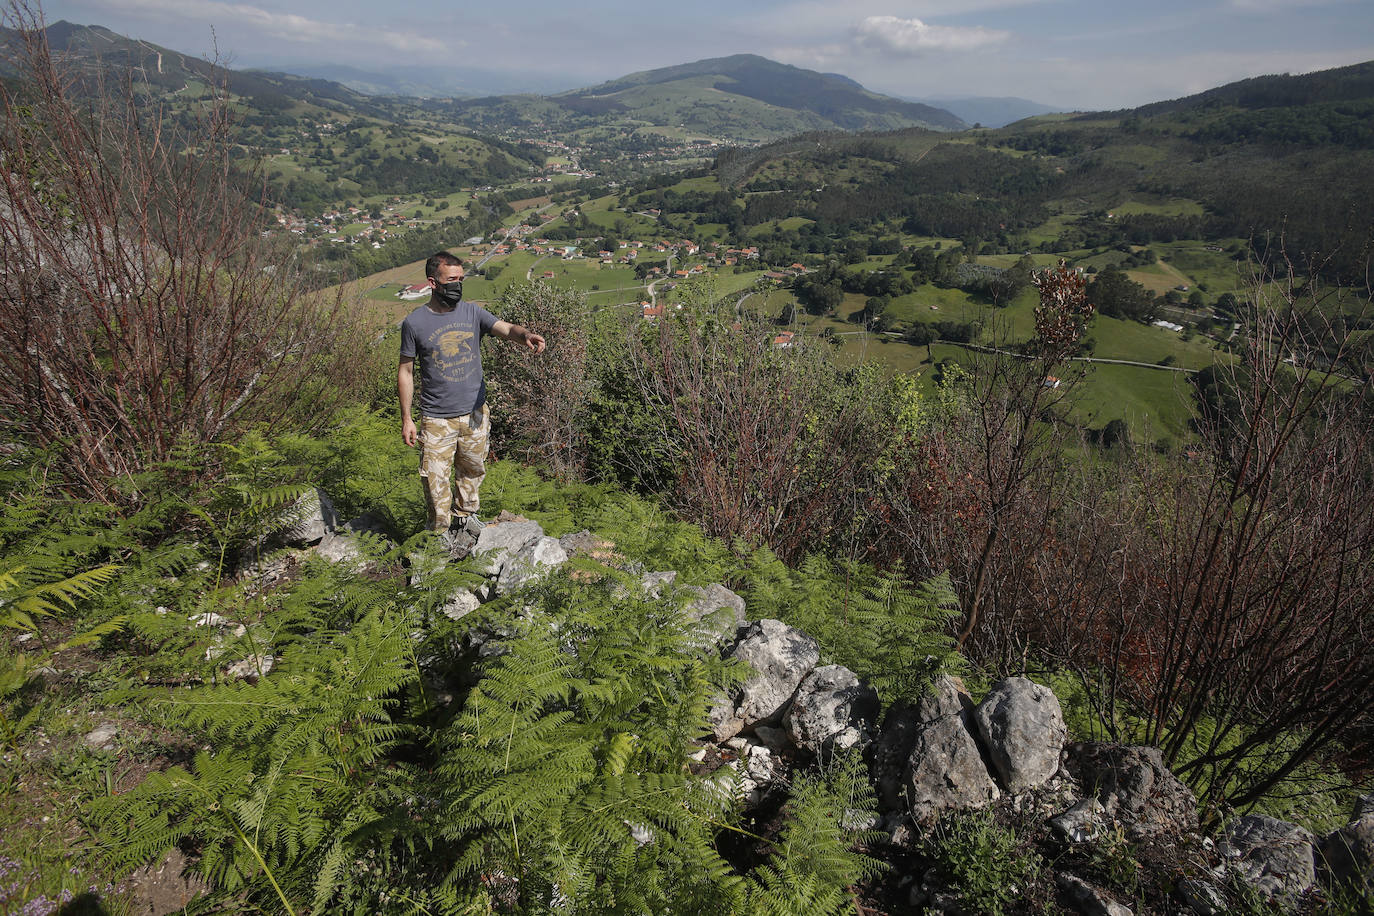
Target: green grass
x=1155 y=404
x=1117 y=339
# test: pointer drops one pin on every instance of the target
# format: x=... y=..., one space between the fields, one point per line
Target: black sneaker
x=470 y=524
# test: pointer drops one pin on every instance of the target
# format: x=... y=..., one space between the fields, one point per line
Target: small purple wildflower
x=39 y=906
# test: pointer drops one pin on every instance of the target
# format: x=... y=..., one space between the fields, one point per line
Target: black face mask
x=450 y=294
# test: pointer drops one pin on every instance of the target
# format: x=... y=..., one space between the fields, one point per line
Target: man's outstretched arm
x=514 y=332
x=405 y=392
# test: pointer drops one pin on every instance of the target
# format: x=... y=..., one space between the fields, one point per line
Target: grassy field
x=1155 y=404
x=1117 y=339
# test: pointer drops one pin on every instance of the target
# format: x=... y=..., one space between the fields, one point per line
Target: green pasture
x=705 y=183
x=1156 y=404
x=1117 y=339
x=1159 y=278
x=931 y=304
x=1051 y=229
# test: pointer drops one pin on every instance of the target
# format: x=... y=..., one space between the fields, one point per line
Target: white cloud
x=284 y=26
x=911 y=37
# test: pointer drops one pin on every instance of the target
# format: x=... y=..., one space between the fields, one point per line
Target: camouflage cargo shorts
x=446 y=444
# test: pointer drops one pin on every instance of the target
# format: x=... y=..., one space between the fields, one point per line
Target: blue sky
x=1069 y=53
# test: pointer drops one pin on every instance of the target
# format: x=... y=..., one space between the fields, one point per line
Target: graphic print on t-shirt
x=453 y=354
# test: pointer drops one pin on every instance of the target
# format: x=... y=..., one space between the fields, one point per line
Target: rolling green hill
x=319 y=141
x=744 y=98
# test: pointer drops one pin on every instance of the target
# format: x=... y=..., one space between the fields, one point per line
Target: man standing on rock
x=445 y=334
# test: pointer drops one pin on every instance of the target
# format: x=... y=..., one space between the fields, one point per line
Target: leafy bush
x=987 y=865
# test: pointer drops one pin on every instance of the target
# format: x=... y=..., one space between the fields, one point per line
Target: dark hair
x=441 y=259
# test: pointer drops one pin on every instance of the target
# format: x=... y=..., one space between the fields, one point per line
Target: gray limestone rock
x=774 y=739
x=102 y=737
x=714 y=613
x=946 y=770
x=529 y=563
x=888 y=755
x=1135 y=787
x=1023 y=730
x=1087 y=899
x=653 y=583
x=251 y=668
x=1347 y=856
x=500 y=539
x=1083 y=822
x=460 y=604
x=311 y=517
x=779 y=657
x=831 y=709
x=1202 y=897
x=1273 y=857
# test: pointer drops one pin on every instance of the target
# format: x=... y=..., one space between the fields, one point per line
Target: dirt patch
x=166 y=887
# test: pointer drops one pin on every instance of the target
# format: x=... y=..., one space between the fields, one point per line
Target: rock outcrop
x=1023 y=730
x=945 y=770
x=831 y=709
x=1135 y=787
x=779 y=657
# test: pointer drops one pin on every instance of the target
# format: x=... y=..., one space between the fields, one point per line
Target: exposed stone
x=269 y=571
x=342 y=550
x=946 y=770
x=779 y=657
x=759 y=773
x=503 y=537
x=367 y=523
x=251 y=667
x=1135 y=787
x=460 y=604
x=1087 y=899
x=1023 y=730
x=531 y=562
x=101 y=738
x=831 y=709
x=427 y=563
x=1273 y=857
x=1348 y=856
x=772 y=738
x=312 y=517
x=1202 y=897
x=653 y=583
x=723 y=718
x=1081 y=823
x=855 y=820
x=209 y=619
x=715 y=614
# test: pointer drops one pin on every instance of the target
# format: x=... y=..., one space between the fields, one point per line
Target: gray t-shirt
x=448 y=347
